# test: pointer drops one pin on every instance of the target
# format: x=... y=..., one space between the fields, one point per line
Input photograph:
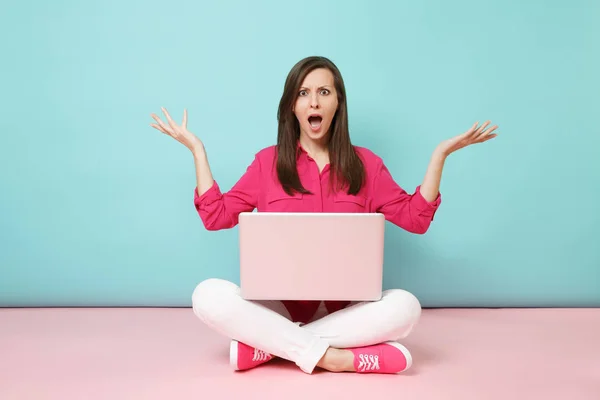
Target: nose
x=314 y=100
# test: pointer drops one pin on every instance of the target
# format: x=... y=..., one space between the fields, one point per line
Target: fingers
x=489 y=131
x=471 y=131
x=169 y=119
x=155 y=126
x=162 y=125
x=184 y=123
x=479 y=135
x=481 y=128
x=474 y=131
x=486 y=138
x=485 y=135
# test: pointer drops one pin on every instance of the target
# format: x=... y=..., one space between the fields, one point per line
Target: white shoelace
x=368 y=362
x=260 y=355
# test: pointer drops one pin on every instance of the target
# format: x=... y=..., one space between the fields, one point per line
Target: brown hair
x=346 y=168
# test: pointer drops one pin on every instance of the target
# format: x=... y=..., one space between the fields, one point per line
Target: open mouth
x=315 y=122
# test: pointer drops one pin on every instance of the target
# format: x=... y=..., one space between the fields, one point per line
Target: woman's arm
x=430 y=187
x=431 y=183
x=217 y=210
x=204 y=178
x=414 y=212
x=410 y=211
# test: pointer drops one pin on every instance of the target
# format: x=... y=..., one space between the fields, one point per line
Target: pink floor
x=481 y=354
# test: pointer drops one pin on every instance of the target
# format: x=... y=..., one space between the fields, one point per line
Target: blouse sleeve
x=411 y=212
x=221 y=210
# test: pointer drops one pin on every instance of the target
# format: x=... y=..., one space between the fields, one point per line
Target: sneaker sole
x=233 y=355
x=406 y=353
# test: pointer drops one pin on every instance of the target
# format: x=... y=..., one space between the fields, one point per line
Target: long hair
x=346 y=168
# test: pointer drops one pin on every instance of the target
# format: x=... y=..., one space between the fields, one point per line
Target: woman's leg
x=365 y=324
x=218 y=303
x=371 y=322
x=263 y=325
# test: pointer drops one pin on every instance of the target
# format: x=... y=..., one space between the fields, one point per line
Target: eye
x=302 y=93
x=325 y=92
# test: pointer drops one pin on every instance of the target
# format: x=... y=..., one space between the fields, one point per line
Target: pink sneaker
x=242 y=356
x=383 y=358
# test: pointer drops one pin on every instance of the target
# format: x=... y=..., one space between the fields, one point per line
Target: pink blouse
x=259 y=189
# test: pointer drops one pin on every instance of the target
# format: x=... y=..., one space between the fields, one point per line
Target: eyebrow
x=320 y=87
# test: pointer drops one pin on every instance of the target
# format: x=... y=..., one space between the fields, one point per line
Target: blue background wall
x=96 y=206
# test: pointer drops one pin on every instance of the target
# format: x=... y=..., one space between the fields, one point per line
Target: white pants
x=266 y=325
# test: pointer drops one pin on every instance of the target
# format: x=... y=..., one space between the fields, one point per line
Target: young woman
x=314 y=168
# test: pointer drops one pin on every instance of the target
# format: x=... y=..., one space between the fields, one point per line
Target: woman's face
x=316 y=104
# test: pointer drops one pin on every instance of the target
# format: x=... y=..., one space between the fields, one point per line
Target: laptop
x=311 y=256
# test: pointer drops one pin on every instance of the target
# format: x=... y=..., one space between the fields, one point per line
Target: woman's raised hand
x=178 y=132
x=475 y=134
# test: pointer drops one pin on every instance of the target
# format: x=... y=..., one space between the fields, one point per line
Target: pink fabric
x=259 y=189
